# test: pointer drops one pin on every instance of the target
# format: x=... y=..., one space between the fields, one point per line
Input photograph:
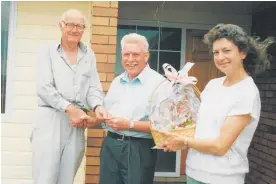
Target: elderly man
x=67 y=82
x=126 y=155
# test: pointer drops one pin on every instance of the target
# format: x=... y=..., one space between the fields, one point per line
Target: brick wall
x=262 y=151
x=104 y=17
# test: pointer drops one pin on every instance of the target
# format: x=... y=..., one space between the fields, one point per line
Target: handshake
x=80 y=119
x=83 y=118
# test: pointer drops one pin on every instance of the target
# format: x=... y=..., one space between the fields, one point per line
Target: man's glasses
x=80 y=27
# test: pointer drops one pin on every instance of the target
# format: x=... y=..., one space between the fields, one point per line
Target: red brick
x=95 y=142
x=92 y=179
x=112 y=40
x=101 y=58
x=114 y=4
x=91 y=151
x=104 y=30
x=95 y=132
x=105 y=67
x=100 y=39
x=93 y=170
x=106 y=85
x=101 y=21
x=101 y=3
x=105 y=12
x=111 y=58
x=92 y=160
x=110 y=76
x=104 y=49
x=102 y=76
x=113 y=21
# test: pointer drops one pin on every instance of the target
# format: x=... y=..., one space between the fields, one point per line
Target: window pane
x=122 y=31
x=153 y=60
x=152 y=35
x=170 y=39
x=165 y=161
x=172 y=58
x=5 y=12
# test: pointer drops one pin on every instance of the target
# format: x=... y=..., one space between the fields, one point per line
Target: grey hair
x=72 y=11
x=135 y=38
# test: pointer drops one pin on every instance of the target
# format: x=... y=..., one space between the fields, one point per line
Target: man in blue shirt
x=126 y=155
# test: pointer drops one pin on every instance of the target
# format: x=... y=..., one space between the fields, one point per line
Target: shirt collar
x=82 y=47
x=141 y=78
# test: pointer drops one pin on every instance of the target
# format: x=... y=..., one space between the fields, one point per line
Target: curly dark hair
x=257 y=59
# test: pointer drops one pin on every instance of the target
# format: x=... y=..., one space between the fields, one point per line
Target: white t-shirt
x=218 y=102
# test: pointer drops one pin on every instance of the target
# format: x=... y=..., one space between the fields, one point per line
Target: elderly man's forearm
x=51 y=96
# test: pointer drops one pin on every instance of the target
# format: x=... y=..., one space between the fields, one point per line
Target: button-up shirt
x=59 y=83
x=130 y=99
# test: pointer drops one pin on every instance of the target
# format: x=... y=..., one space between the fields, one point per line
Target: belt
x=123 y=137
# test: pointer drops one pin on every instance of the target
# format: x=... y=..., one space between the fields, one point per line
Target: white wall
x=36 y=25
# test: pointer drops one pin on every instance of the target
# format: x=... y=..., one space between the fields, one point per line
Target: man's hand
x=101 y=113
x=91 y=121
x=117 y=123
x=75 y=115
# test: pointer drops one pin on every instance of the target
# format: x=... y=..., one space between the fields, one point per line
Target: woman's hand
x=173 y=142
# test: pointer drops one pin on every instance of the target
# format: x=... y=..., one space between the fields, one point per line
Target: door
x=198 y=52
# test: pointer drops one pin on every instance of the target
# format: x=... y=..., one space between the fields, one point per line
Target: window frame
x=10 y=61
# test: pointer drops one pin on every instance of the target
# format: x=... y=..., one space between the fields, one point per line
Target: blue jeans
x=193 y=181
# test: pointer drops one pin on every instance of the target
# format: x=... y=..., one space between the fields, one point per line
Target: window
x=165 y=47
x=7 y=10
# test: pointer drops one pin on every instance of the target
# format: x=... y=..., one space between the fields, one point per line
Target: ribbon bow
x=181 y=76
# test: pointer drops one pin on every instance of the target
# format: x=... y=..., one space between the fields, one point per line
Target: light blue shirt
x=130 y=99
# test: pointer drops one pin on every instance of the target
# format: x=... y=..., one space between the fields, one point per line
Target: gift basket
x=174 y=104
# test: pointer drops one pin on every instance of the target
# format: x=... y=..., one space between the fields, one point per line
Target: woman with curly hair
x=229 y=111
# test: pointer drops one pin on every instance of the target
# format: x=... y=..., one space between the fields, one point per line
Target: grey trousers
x=58 y=148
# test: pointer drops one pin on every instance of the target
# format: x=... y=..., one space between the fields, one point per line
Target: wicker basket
x=189 y=131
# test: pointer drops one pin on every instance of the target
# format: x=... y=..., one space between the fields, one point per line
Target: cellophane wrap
x=173 y=104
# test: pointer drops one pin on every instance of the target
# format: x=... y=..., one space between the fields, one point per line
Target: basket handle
x=154 y=90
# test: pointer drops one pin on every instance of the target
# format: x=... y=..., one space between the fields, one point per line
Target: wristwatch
x=131 y=125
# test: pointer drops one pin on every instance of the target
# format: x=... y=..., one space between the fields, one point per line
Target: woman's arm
x=229 y=132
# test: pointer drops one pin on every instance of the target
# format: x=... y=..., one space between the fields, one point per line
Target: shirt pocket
x=87 y=72
x=85 y=78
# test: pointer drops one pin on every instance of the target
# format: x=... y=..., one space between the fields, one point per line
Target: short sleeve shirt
x=217 y=103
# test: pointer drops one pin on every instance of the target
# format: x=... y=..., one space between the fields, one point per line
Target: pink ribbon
x=181 y=76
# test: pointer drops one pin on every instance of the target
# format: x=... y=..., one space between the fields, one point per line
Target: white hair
x=75 y=12
x=135 y=38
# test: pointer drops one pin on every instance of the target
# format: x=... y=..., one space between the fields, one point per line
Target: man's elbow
x=41 y=90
